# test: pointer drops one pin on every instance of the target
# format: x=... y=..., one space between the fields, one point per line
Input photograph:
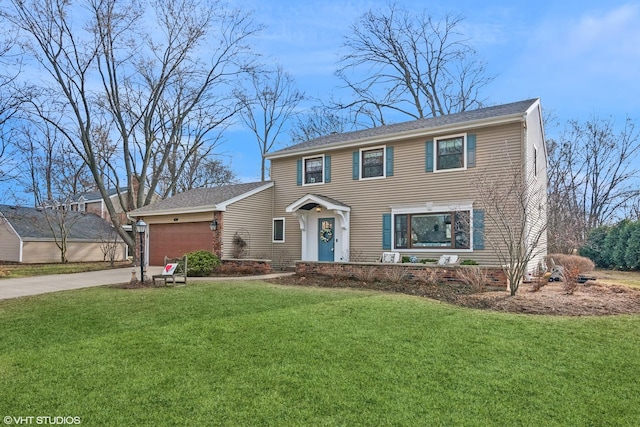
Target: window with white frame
x=372 y=162
x=432 y=230
x=278 y=230
x=450 y=153
x=313 y=170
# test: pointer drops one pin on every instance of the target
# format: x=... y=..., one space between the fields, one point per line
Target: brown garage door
x=175 y=240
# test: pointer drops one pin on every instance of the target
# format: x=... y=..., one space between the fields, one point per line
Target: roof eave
x=218 y=207
x=176 y=211
x=454 y=127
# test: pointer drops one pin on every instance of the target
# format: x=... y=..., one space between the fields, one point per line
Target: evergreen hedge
x=616 y=246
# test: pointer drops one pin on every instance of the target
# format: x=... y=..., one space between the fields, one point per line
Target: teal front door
x=326 y=240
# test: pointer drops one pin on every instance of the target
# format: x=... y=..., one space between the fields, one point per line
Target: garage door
x=175 y=240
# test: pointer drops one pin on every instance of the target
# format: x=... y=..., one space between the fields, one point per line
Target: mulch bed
x=590 y=299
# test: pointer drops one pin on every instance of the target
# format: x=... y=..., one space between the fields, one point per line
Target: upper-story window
x=372 y=161
x=450 y=153
x=313 y=169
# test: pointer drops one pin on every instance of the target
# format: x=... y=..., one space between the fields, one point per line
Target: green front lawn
x=252 y=353
x=12 y=271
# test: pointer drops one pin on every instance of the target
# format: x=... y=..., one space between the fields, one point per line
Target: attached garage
x=184 y=222
x=175 y=239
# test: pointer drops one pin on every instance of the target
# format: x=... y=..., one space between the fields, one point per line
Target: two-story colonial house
x=406 y=187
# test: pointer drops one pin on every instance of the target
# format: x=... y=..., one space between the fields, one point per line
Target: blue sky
x=582 y=58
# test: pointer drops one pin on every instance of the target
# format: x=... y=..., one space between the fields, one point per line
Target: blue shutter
x=429 y=156
x=327 y=168
x=299 y=172
x=386 y=231
x=471 y=151
x=478 y=229
x=389 y=161
x=356 y=165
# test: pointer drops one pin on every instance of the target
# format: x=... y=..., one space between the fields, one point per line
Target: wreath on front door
x=326 y=234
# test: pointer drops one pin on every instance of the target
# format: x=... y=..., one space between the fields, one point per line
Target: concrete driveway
x=26 y=286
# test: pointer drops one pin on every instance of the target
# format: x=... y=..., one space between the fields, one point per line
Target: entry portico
x=325 y=227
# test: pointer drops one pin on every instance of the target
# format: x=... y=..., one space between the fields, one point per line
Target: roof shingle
x=32 y=223
x=487 y=113
x=200 y=197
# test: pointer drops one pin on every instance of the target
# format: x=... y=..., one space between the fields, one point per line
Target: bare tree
x=199 y=171
x=114 y=78
x=109 y=244
x=593 y=171
x=400 y=61
x=319 y=121
x=266 y=107
x=515 y=222
x=9 y=102
x=55 y=175
x=51 y=170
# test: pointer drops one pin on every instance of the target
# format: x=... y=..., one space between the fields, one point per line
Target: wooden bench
x=174 y=268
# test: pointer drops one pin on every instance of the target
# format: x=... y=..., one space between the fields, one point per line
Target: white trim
x=20 y=239
x=432 y=208
x=361 y=162
x=304 y=170
x=203 y=208
x=223 y=206
x=310 y=198
x=273 y=229
x=309 y=226
x=428 y=207
x=464 y=152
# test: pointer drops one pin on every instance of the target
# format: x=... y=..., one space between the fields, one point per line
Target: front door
x=326 y=240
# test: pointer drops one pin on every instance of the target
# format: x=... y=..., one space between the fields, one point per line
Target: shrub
x=468 y=262
x=239 y=246
x=366 y=273
x=576 y=263
x=201 y=263
x=540 y=280
x=594 y=246
x=428 y=276
x=395 y=274
x=473 y=276
x=573 y=266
